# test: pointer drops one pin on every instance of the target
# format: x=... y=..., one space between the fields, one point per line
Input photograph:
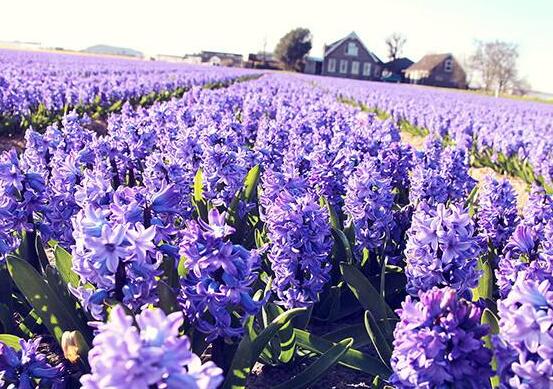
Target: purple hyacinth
x=442 y=249
x=21 y=196
x=300 y=244
x=151 y=355
x=525 y=357
x=524 y=252
x=368 y=205
x=440 y=175
x=21 y=369
x=438 y=343
x=538 y=211
x=497 y=212
x=116 y=253
x=219 y=279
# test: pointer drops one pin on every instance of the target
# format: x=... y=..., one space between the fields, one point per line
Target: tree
x=293 y=47
x=395 y=43
x=495 y=64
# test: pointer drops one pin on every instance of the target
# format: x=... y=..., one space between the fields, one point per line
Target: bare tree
x=395 y=43
x=495 y=63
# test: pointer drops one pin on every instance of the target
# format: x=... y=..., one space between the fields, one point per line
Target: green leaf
x=10 y=340
x=64 y=265
x=250 y=183
x=167 y=298
x=182 y=270
x=342 y=241
x=367 y=295
x=285 y=334
x=27 y=249
x=48 y=306
x=353 y=359
x=250 y=348
x=318 y=368
x=356 y=331
x=378 y=339
x=470 y=202
x=334 y=220
x=486 y=283
x=198 y=195
x=41 y=253
x=198 y=186
x=489 y=318
x=69 y=302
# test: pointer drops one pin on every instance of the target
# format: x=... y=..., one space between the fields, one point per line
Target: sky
x=243 y=26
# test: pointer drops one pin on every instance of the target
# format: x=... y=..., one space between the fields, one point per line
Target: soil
x=9 y=141
x=339 y=377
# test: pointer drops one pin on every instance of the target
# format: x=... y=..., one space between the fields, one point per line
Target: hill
x=113 y=50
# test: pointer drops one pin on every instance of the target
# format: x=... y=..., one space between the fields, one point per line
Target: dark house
x=437 y=70
x=221 y=59
x=394 y=71
x=350 y=58
x=313 y=65
x=262 y=61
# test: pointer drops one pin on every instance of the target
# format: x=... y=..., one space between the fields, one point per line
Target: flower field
x=234 y=224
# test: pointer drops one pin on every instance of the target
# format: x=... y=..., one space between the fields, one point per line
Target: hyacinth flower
x=368 y=205
x=525 y=341
x=538 y=211
x=300 y=243
x=526 y=253
x=440 y=175
x=21 y=200
x=152 y=354
x=442 y=250
x=438 y=343
x=116 y=251
x=22 y=369
x=497 y=212
x=219 y=279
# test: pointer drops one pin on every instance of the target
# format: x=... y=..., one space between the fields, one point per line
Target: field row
x=37 y=89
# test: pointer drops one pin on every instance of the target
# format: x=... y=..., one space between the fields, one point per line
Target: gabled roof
x=429 y=62
x=333 y=46
x=398 y=64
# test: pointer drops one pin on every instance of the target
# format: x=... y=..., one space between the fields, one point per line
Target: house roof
x=313 y=59
x=333 y=46
x=220 y=54
x=398 y=64
x=429 y=62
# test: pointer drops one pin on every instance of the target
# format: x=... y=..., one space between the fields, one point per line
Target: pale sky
x=185 y=26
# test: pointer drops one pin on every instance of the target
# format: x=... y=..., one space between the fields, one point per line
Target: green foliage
x=251 y=346
x=319 y=367
x=11 y=341
x=293 y=47
x=53 y=309
x=353 y=359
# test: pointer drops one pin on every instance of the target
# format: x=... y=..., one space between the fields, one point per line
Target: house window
x=367 y=69
x=351 y=49
x=343 y=66
x=331 y=65
x=355 y=67
x=448 y=65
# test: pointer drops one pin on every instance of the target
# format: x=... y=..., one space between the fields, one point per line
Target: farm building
x=313 y=65
x=261 y=60
x=221 y=59
x=394 y=71
x=437 y=70
x=350 y=58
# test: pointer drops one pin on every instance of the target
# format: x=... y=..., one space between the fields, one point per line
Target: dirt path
x=520 y=187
